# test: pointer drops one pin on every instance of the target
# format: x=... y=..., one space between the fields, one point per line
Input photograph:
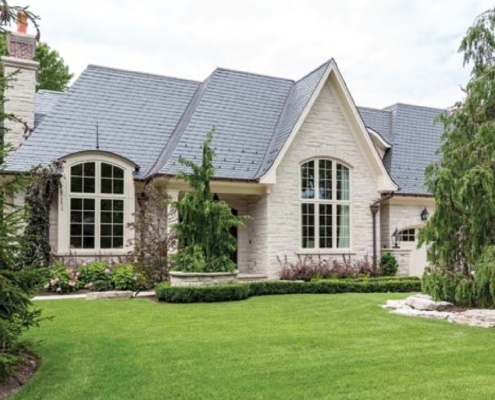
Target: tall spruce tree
x=204 y=231
x=463 y=181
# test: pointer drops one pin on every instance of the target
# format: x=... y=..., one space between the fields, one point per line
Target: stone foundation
x=178 y=278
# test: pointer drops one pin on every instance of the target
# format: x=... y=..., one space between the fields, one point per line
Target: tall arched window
x=325 y=205
x=97 y=204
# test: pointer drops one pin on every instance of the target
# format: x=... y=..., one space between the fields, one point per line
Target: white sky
x=388 y=50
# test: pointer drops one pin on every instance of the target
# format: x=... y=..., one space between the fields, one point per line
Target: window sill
x=95 y=253
x=330 y=252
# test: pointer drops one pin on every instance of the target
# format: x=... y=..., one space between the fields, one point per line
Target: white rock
x=425 y=303
x=410 y=312
x=479 y=318
x=114 y=294
x=394 y=304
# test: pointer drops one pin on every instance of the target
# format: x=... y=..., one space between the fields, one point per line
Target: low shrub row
x=165 y=292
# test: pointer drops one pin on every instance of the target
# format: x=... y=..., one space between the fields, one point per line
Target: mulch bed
x=25 y=371
x=456 y=309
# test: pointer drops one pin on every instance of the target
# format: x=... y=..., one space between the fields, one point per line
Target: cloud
x=387 y=50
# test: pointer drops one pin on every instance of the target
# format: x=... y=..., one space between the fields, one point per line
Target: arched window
x=97 y=203
x=325 y=205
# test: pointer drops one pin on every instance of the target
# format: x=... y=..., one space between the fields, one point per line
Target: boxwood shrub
x=242 y=291
x=206 y=294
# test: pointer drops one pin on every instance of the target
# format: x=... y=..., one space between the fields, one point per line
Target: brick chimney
x=20 y=90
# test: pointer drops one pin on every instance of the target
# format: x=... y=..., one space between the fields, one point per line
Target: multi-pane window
x=325 y=208
x=407 y=235
x=97 y=203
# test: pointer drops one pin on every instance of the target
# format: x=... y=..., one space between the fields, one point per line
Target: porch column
x=172 y=213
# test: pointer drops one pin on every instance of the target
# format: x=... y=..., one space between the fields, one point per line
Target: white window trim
x=64 y=203
x=316 y=201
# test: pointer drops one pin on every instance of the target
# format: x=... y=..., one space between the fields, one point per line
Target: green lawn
x=272 y=347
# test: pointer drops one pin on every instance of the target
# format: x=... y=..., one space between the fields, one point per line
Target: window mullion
x=334 y=207
x=317 y=204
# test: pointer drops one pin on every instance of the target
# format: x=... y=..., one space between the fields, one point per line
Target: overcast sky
x=388 y=50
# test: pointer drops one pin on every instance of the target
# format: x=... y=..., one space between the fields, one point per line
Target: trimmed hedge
x=205 y=294
x=194 y=294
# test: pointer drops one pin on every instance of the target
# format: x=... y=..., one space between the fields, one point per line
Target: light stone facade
x=276 y=227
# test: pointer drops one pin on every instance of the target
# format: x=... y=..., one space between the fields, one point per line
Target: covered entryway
x=408 y=240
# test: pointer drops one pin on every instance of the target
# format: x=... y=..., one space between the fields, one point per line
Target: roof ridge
x=179 y=129
x=253 y=74
x=413 y=105
x=315 y=69
x=140 y=73
x=374 y=109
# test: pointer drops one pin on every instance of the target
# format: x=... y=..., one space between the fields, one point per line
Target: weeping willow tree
x=204 y=230
x=461 y=232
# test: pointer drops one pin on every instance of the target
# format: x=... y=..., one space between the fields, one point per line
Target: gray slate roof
x=154 y=120
x=44 y=102
x=415 y=138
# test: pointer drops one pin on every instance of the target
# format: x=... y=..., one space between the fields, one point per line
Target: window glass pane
x=325 y=179
x=118 y=230
x=76 y=242
x=88 y=242
x=89 y=204
x=89 y=170
x=106 y=242
x=76 y=229
x=118 y=172
x=77 y=170
x=118 y=218
x=76 y=216
x=325 y=224
x=76 y=204
x=118 y=186
x=407 y=235
x=89 y=185
x=308 y=225
x=76 y=185
x=106 y=230
x=342 y=182
x=106 y=170
x=118 y=242
x=106 y=217
x=106 y=185
x=106 y=205
x=118 y=205
x=308 y=180
x=343 y=226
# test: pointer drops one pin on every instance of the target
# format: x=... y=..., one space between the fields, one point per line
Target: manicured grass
x=272 y=347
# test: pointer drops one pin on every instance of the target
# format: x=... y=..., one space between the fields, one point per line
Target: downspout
x=375 y=207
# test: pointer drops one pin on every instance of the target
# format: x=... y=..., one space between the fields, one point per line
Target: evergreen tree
x=462 y=227
x=204 y=232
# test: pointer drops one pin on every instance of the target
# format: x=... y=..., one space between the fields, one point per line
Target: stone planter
x=178 y=278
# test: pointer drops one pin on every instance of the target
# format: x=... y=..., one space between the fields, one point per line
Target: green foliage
x=204 y=232
x=53 y=74
x=187 y=294
x=388 y=265
x=463 y=181
x=95 y=276
x=125 y=277
x=39 y=196
x=205 y=294
x=152 y=238
x=61 y=279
